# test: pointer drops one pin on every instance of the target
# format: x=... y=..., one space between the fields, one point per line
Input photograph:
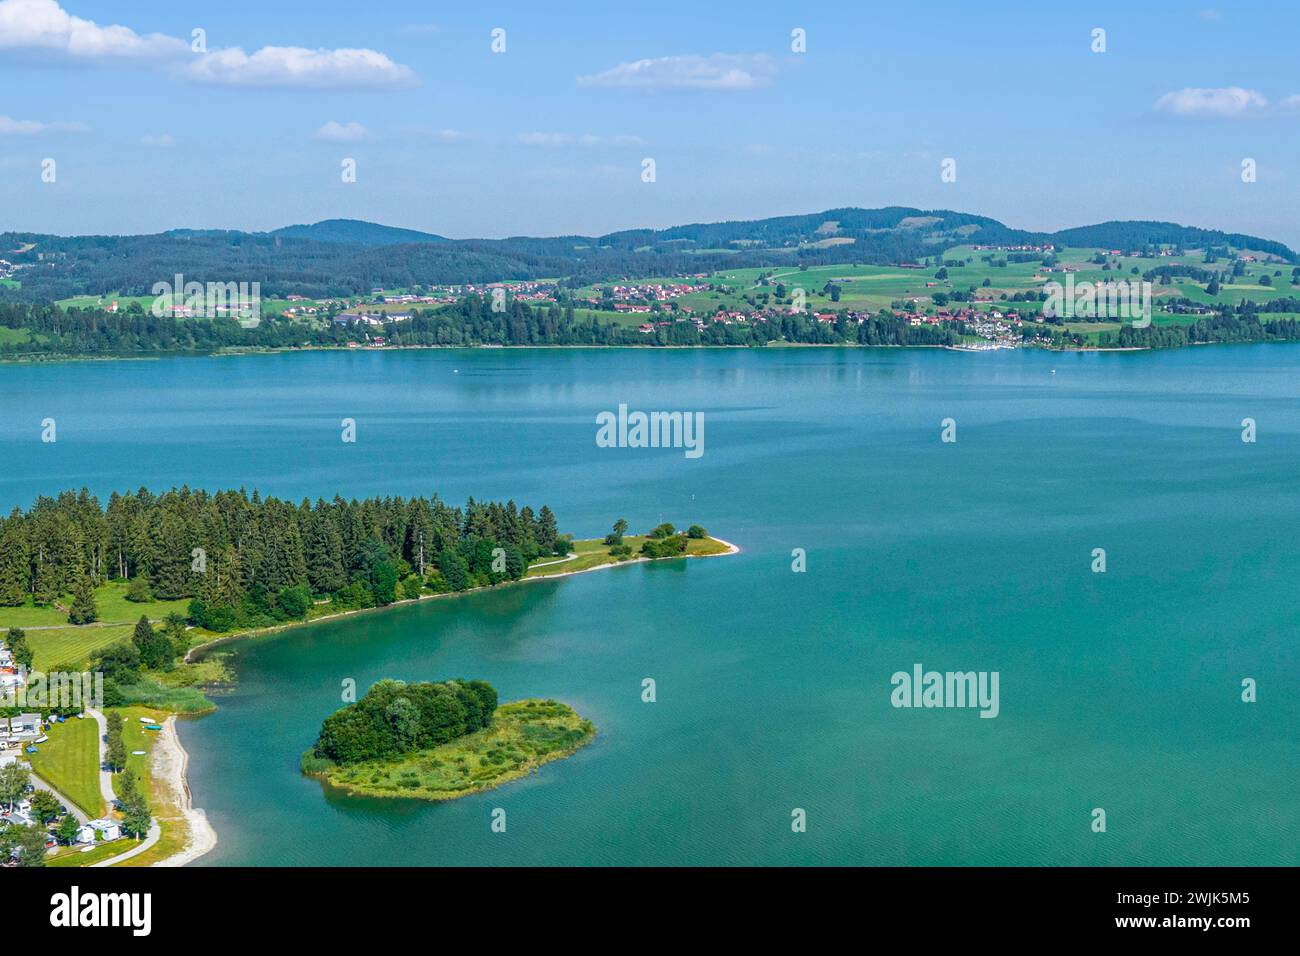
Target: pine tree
x=171 y=573
x=143 y=635
x=547 y=530
x=83 y=602
x=15 y=562
x=323 y=554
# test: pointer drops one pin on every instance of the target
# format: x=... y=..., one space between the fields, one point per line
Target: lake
x=1119 y=690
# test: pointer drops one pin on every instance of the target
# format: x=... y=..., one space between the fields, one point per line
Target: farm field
x=988 y=276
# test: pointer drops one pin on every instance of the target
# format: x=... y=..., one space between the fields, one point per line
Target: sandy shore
x=170 y=761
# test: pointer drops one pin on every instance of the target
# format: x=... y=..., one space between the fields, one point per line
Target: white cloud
x=1209 y=14
x=1219 y=102
x=295 y=67
x=335 y=132
x=13 y=127
x=158 y=141
x=43 y=28
x=721 y=71
x=570 y=139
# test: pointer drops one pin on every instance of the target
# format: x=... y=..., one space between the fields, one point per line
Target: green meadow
x=69 y=762
x=594 y=553
x=55 y=642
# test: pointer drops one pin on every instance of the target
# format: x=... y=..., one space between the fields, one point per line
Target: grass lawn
x=168 y=815
x=523 y=735
x=32 y=615
x=72 y=645
x=57 y=642
x=111 y=602
x=69 y=762
x=174 y=831
x=73 y=855
x=593 y=553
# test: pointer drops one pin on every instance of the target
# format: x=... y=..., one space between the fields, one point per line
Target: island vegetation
x=439 y=741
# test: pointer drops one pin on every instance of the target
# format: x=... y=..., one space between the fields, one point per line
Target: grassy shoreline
x=709 y=547
x=524 y=736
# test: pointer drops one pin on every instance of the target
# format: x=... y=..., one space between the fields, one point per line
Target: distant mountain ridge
x=357 y=231
x=350 y=257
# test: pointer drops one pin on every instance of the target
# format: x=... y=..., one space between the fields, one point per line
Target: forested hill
x=350 y=257
x=357 y=232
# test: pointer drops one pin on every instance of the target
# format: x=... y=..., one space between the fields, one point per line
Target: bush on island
x=395 y=718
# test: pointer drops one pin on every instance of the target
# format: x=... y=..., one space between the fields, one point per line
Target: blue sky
x=548 y=137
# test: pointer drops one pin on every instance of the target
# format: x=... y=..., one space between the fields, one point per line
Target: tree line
x=470 y=322
x=247 y=560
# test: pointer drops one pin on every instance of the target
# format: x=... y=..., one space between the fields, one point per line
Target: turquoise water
x=1118 y=690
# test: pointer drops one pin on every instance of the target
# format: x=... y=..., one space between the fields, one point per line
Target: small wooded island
x=440 y=741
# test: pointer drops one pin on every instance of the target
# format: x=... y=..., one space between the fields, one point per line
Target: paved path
x=105 y=775
x=547 y=564
x=155 y=832
x=76 y=811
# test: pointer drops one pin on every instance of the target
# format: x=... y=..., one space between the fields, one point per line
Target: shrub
x=664 y=547
x=139 y=590
x=295 y=602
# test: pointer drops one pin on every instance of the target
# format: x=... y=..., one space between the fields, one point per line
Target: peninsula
x=146 y=591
